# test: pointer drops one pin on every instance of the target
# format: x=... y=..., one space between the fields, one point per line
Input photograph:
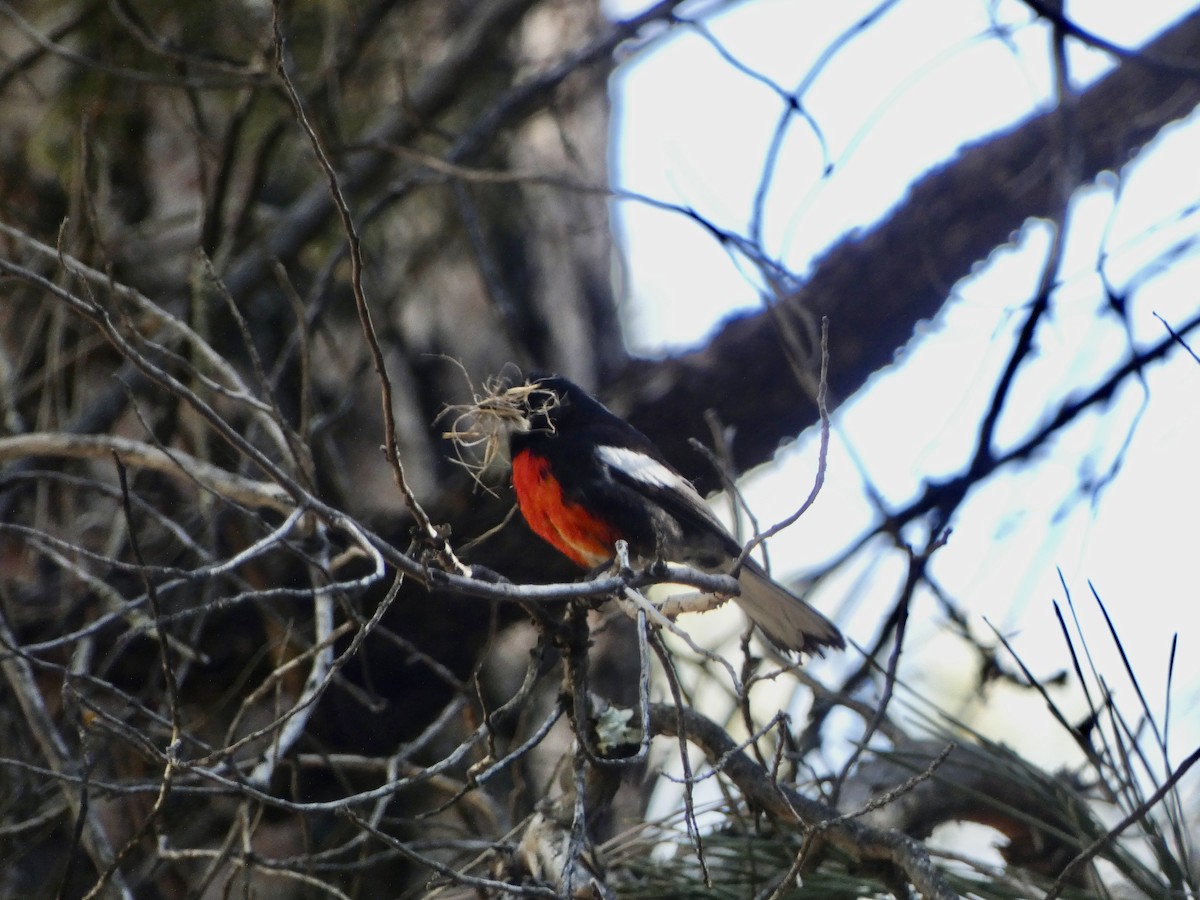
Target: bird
x=585 y=478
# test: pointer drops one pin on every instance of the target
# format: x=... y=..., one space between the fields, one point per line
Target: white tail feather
x=789 y=622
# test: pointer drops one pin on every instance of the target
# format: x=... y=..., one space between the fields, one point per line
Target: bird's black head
x=523 y=413
x=550 y=403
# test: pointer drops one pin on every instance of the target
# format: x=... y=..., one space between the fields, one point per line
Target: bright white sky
x=930 y=76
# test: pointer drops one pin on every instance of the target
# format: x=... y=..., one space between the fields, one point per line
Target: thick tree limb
x=783 y=802
x=142 y=455
x=876 y=288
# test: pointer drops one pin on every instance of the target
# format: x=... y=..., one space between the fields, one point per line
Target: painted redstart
x=585 y=478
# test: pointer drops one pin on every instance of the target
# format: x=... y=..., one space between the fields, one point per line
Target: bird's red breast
x=568 y=526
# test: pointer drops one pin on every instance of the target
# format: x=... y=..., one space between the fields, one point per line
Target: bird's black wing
x=642 y=469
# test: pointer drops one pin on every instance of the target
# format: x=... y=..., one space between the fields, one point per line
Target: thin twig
x=822 y=453
x=788 y=805
x=360 y=299
x=164 y=655
x=20 y=677
x=1135 y=815
x=683 y=735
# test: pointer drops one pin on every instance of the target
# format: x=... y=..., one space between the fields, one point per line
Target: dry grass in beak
x=479 y=430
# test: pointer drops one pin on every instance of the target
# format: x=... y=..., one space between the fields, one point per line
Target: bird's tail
x=789 y=622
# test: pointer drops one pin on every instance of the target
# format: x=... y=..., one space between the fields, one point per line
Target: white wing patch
x=645 y=469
